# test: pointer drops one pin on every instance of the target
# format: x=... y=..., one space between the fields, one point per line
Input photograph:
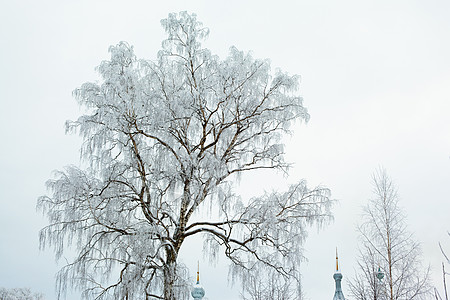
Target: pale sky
x=375 y=78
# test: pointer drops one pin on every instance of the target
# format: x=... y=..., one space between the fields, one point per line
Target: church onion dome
x=338 y=295
x=198 y=292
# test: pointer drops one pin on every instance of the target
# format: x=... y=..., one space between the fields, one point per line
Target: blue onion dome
x=198 y=292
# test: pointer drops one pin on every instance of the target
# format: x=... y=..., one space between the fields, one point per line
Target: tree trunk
x=170 y=275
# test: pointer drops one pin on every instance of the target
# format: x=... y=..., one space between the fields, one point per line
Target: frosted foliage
x=19 y=294
x=268 y=284
x=161 y=138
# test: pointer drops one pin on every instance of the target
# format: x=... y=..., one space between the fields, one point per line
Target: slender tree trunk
x=391 y=284
x=389 y=246
x=445 y=284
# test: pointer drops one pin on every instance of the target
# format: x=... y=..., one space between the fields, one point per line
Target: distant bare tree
x=388 y=245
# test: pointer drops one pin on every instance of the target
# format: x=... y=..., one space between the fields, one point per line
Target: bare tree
x=163 y=140
x=388 y=249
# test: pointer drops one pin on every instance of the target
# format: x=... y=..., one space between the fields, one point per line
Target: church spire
x=338 y=295
x=337 y=261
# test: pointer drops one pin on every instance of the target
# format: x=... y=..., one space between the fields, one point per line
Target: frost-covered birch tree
x=387 y=246
x=162 y=141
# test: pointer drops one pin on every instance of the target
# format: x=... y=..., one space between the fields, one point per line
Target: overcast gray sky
x=375 y=78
